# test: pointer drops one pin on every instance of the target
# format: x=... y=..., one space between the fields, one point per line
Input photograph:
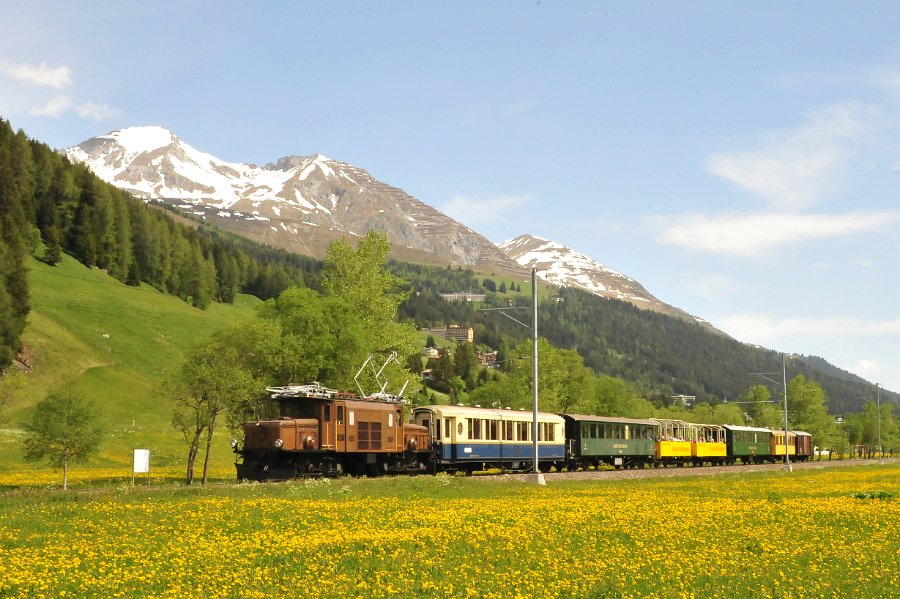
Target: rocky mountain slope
x=298 y=203
x=562 y=266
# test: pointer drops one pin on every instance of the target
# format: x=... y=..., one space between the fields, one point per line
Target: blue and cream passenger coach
x=470 y=438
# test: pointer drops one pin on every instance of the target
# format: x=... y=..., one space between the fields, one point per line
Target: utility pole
x=536 y=476
x=783 y=382
x=534 y=375
x=878 y=409
x=787 y=460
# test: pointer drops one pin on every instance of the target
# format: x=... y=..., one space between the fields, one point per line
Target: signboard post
x=141 y=464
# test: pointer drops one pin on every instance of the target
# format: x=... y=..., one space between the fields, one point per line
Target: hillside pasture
x=116 y=344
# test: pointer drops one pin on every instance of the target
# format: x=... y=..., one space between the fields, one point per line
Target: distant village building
x=488 y=359
x=684 y=400
x=431 y=352
x=463 y=297
x=452 y=332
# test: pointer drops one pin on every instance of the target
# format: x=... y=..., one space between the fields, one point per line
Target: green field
x=116 y=343
x=832 y=532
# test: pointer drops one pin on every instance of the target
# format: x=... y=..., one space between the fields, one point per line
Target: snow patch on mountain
x=564 y=267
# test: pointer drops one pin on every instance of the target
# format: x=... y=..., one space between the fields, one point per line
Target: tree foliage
x=807 y=412
x=361 y=281
x=65 y=427
x=217 y=380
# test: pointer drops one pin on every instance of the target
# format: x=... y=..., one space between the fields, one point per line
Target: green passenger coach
x=619 y=442
x=749 y=444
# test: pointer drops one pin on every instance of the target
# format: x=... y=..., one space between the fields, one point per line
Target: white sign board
x=141 y=461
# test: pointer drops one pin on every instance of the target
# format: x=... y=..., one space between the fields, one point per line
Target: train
x=324 y=432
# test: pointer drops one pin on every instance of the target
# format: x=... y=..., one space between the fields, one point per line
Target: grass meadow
x=116 y=344
x=831 y=532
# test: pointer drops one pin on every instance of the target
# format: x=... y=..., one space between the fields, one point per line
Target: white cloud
x=53 y=108
x=43 y=75
x=521 y=107
x=97 y=112
x=866 y=368
x=822 y=264
x=755 y=328
x=861 y=262
x=798 y=168
x=474 y=211
x=755 y=234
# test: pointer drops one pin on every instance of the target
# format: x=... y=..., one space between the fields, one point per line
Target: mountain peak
x=564 y=267
x=142 y=139
x=300 y=203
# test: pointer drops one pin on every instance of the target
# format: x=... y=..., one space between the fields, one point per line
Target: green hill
x=116 y=343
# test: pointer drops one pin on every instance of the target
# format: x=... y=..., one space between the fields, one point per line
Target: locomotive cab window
x=297 y=409
x=340 y=414
x=327 y=413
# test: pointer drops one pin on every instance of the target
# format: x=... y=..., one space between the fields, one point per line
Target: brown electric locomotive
x=321 y=431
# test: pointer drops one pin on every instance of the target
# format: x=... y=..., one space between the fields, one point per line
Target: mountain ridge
x=562 y=266
x=299 y=203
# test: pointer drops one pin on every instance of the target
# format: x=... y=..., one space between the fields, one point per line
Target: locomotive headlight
x=278 y=443
x=234 y=443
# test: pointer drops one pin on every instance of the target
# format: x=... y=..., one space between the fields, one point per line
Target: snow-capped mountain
x=299 y=203
x=564 y=267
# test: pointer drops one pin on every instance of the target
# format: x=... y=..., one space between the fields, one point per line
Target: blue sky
x=740 y=159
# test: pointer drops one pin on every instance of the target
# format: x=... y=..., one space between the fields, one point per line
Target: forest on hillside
x=662 y=356
x=46 y=199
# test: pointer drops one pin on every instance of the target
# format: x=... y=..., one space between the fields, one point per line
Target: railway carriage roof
x=607 y=419
x=752 y=429
x=473 y=412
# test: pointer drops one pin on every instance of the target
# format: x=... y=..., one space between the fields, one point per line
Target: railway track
x=673 y=471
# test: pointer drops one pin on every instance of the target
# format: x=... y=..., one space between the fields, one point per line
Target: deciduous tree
x=65 y=427
x=213 y=380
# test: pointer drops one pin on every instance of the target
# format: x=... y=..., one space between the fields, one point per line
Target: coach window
x=437 y=427
x=549 y=436
x=510 y=434
x=470 y=426
x=492 y=430
x=447 y=428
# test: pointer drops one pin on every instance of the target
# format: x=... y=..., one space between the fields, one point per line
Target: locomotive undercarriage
x=287 y=465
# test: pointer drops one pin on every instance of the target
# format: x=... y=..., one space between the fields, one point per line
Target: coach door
x=327 y=432
x=451 y=435
x=340 y=426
